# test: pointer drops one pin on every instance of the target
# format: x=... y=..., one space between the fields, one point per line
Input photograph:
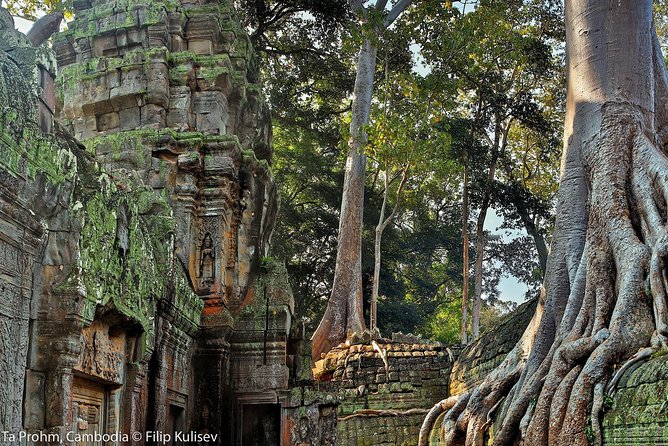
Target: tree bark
x=344 y=314
x=465 y=260
x=609 y=241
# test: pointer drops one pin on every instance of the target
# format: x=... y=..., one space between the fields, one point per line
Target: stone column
x=212 y=412
x=59 y=385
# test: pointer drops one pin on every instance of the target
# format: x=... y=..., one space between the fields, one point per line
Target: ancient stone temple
x=136 y=207
x=138 y=305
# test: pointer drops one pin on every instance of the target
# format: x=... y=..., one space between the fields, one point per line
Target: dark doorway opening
x=176 y=416
x=261 y=425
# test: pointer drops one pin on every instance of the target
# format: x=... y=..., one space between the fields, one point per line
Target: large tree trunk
x=609 y=242
x=344 y=314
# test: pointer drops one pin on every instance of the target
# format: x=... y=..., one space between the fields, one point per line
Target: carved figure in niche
x=204 y=422
x=207 y=261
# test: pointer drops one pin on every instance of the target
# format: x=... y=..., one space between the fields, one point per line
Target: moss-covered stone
x=639 y=410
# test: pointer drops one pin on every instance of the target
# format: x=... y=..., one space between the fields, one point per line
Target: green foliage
x=500 y=61
x=32 y=9
x=490 y=66
x=444 y=325
x=308 y=173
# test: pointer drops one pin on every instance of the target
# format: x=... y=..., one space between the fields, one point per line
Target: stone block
x=108 y=122
x=153 y=116
x=177 y=44
x=105 y=46
x=130 y=118
x=121 y=38
x=157 y=91
x=121 y=98
x=395 y=387
x=137 y=37
x=204 y=46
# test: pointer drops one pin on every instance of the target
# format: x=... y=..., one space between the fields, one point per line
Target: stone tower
x=169 y=92
x=135 y=290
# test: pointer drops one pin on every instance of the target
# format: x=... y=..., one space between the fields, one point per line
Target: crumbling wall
x=487 y=351
x=384 y=389
x=94 y=261
x=166 y=94
x=638 y=412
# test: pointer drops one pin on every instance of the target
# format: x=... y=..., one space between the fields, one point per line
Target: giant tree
x=344 y=313
x=604 y=298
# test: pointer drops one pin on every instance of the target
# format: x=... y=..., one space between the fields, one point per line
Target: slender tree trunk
x=594 y=316
x=376 y=251
x=533 y=232
x=479 y=259
x=344 y=314
x=465 y=261
x=382 y=224
x=480 y=251
x=480 y=230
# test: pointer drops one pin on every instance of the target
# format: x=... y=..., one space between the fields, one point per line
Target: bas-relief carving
x=11 y=258
x=14 y=348
x=15 y=280
x=102 y=355
x=207 y=262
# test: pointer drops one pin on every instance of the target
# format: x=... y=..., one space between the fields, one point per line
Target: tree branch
x=380 y=5
x=357 y=8
x=396 y=12
x=397 y=204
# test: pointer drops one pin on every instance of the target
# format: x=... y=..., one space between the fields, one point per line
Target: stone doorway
x=89 y=410
x=261 y=425
x=176 y=423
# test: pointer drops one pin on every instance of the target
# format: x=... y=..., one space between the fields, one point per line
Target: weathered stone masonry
x=136 y=208
x=134 y=292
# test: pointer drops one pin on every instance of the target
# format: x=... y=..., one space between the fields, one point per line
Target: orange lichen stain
x=248 y=298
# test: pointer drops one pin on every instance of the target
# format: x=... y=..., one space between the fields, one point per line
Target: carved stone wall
x=383 y=390
x=170 y=91
x=24 y=202
x=151 y=290
x=89 y=284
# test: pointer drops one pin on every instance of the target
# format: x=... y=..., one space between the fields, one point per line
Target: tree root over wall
x=604 y=302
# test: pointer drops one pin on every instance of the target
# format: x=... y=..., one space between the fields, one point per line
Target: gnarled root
x=602 y=318
x=434 y=413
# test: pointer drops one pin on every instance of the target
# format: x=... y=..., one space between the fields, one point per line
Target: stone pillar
x=213 y=412
x=136 y=401
x=59 y=383
x=159 y=372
